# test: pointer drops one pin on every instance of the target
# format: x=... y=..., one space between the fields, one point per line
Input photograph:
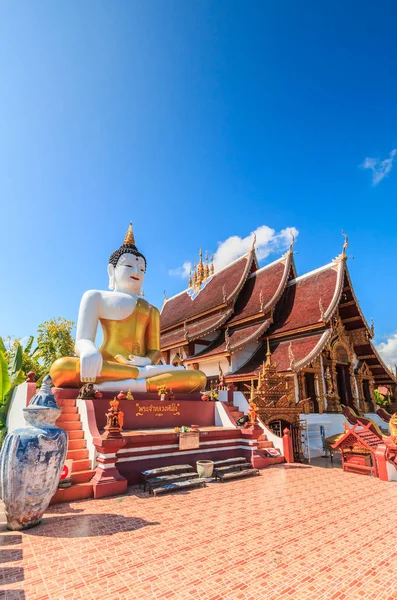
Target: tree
x=11 y=375
x=30 y=355
x=54 y=340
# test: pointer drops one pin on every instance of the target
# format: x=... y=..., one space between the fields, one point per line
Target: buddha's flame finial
x=129 y=238
x=268 y=354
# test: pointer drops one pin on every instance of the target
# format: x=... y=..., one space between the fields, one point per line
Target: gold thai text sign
x=157 y=409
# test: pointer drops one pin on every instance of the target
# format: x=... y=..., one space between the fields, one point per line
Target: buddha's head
x=127 y=267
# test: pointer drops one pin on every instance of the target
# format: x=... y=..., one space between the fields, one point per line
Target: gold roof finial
x=254 y=242
x=212 y=268
x=268 y=354
x=190 y=283
x=345 y=243
x=292 y=244
x=206 y=268
x=129 y=238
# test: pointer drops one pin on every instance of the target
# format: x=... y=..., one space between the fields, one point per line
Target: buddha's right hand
x=90 y=365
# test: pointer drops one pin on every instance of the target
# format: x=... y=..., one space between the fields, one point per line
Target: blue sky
x=197 y=121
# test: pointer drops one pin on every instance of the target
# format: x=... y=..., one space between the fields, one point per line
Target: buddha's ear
x=111 y=277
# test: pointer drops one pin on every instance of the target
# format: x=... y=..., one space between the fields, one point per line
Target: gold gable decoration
x=201 y=271
x=273 y=395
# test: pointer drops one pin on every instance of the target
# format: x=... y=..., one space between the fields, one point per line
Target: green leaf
x=29 y=345
x=15 y=363
x=4 y=377
x=17 y=378
x=2 y=347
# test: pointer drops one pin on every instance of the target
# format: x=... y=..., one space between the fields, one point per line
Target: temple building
x=227 y=321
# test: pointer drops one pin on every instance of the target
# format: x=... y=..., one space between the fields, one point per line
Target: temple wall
x=242 y=356
x=376 y=419
x=332 y=423
x=211 y=367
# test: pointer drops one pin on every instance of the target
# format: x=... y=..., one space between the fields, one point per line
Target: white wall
x=242 y=356
x=376 y=419
x=15 y=418
x=333 y=424
x=240 y=401
x=82 y=408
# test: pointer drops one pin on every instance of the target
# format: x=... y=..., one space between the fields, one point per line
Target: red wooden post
x=380 y=456
x=287 y=446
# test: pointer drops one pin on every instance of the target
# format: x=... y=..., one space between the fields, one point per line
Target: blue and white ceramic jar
x=31 y=461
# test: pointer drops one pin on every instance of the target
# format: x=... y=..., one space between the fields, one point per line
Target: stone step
x=265 y=444
x=169 y=487
x=78 y=434
x=232 y=468
x=77 y=454
x=78 y=491
x=162 y=480
x=235 y=474
x=71 y=426
x=66 y=402
x=68 y=417
x=69 y=410
x=229 y=461
x=81 y=465
x=82 y=476
x=77 y=444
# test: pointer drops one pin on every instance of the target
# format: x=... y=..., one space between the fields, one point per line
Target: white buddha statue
x=130 y=352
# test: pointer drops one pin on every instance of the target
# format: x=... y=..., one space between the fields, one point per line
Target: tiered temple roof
x=242 y=305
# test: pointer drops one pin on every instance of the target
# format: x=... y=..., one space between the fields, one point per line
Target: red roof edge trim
x=213 y=327
x=357 y=303
x=392 y=376
x=315 y=352
x=289 y=263
x=258 y=332
x=329 y=313
x=234 y=294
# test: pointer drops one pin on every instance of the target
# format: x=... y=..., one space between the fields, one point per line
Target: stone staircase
x=260 y=457
x=81 y=475
x=234 y=412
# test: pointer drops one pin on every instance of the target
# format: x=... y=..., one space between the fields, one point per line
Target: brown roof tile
x=299 y=305
x=237 y=340
x=301 y=347
x=193 y=330
x=263 y=289
x=226 y=283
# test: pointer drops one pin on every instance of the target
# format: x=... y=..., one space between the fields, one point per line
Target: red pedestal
x=380 y=454
x=287 y=446
x=107 y=480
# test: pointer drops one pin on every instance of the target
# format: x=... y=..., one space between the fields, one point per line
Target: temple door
x=367 y=395
x=344 y=386
x=311 y=390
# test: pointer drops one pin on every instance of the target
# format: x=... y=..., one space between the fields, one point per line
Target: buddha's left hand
x=134 y=361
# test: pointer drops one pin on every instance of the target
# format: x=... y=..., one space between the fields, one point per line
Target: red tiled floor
x=305 y=533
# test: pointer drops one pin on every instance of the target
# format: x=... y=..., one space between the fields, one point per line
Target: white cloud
x=182 y=271
x=388 y=350
x=379 y=168
x=267 y=242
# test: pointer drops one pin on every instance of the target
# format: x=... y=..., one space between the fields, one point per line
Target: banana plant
x=11 y=375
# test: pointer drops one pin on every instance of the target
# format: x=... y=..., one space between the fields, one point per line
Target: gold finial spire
x=345 y=244
x=212 y=269
x=206 y=268
x=253 y=242
x=129 y=238
x=292 y=244
x=268 y=353
x=190 y=283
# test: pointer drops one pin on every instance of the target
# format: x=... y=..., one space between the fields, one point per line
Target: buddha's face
x=128 y=275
